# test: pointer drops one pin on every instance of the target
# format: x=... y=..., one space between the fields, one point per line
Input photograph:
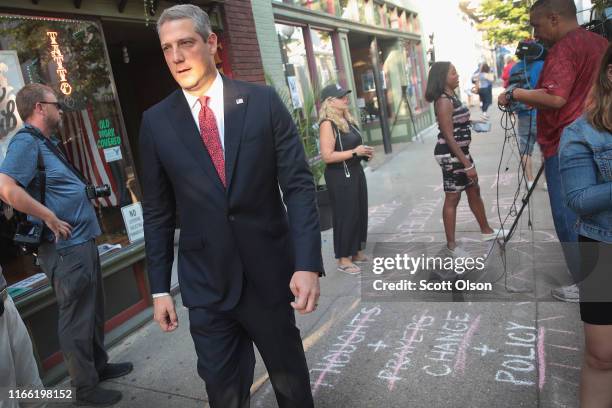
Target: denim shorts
x=527 y=136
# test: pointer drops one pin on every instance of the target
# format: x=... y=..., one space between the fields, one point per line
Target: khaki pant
x=17 y=365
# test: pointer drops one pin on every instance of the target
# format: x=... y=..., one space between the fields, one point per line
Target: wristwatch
x=510 y=95
x=354 y=154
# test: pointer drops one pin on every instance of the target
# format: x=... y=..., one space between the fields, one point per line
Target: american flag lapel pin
x=239 y=101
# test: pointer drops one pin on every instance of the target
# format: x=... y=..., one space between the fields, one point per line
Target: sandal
x=351 y=269
x=365 y=259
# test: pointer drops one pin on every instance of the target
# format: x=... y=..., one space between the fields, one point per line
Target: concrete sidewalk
x=402 y=187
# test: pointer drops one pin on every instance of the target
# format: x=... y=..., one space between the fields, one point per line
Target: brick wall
x=243 y=45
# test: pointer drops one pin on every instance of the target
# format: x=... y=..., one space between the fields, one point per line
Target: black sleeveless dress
x=348 y=197
x=454 y=177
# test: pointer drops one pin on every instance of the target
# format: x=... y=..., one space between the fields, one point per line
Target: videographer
x=525 y=74
x=34 y=166
x=570 y=65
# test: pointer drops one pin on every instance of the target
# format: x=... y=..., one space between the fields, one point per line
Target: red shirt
x=569 y=71
x=506 y=73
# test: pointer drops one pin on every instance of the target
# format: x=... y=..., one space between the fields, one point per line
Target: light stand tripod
x=525 y=201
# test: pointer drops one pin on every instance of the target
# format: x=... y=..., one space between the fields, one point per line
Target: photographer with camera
x=569 y=68
x=36 y=179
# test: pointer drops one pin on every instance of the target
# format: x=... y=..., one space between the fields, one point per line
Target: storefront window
x=409 y=26
x=370 y=13
x=361 y=7
x=415 y=76
x=365 y=86
x=350 y=9
x=382 y=12
x=415 y=24
x=393 y=72
x=70 y=57
x=402 y=21
x=295 y=63
x=393 y=18
x=318 y=5
x=376 y=13
x=324 y=57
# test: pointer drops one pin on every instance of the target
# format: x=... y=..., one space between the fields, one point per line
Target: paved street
x=508 y=352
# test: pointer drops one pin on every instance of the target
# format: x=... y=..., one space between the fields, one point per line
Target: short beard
x=53 y=126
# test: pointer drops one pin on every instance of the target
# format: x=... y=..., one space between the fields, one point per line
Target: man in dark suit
x=222 y=151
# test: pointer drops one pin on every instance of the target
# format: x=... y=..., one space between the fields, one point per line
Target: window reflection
x=324 y=57
x=295 y=62
x=349 y=9
x=415 y=76
x=70 y=57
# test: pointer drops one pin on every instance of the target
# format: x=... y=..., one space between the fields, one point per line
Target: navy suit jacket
x=247 y=234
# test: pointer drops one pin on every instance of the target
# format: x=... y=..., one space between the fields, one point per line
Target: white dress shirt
x=215 y=103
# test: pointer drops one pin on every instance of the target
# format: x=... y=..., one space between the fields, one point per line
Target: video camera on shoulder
x=531 y=50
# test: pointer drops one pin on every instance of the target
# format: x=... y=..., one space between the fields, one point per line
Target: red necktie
x=210 y=136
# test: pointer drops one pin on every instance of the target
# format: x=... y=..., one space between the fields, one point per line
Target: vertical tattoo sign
x=58 y=57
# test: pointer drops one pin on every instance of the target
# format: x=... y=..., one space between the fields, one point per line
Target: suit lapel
x=187 y=131
x=234 y=105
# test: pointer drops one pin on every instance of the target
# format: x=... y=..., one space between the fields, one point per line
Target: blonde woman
x=342 y=150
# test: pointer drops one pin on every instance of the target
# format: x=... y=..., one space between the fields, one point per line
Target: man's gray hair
x=200 y=19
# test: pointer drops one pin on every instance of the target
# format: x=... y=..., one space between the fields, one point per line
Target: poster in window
x=295 y=93
x=11 y=81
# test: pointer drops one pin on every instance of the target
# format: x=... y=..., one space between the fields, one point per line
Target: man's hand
x=164 y=313
x=61 y=229
x=305 y=287
x=502 y=99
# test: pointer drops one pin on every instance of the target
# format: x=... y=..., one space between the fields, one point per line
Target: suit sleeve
x=297 y=185
x=158 y=208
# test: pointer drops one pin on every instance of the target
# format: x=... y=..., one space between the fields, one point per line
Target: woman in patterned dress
x=453 y=154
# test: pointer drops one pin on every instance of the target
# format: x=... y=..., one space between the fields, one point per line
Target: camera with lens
x=27 y=235
x=94 y=192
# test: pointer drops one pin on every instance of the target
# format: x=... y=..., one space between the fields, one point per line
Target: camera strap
x=347 y=173
x=57 y=152
x=42 y=177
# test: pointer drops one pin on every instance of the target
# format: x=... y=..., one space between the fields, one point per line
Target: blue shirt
x=585 y=162
x=64 y=192
x=533 y=74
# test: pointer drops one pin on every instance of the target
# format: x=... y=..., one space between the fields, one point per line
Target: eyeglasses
x=58 y=105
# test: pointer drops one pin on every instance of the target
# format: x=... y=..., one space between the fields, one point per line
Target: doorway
x=141 y=75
